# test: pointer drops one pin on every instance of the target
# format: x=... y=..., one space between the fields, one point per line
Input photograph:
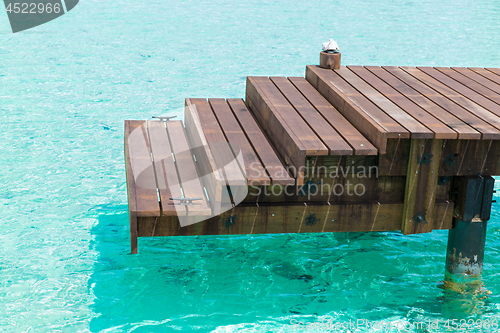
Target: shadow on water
x=181 y=283
x=200 y=283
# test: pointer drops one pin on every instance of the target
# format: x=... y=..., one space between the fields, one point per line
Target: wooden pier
x=348 y=149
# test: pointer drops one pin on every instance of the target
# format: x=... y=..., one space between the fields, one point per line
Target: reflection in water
x=463 y=296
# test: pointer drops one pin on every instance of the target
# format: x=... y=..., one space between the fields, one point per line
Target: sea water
x=67 y=86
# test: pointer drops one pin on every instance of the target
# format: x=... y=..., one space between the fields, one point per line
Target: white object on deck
x=331 y=45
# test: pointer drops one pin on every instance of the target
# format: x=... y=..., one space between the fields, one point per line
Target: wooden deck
x=257 y=165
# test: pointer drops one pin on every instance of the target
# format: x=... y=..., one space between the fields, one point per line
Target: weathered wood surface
x=329 y=60
x=186 y=169
x=252 y=219
x=214 y=182
x=141 y=186
x=268 y=156
x=416 y=129
x=447 y=99
x=448 y=119
x=460 y=94
x=326 y=133
x=450 y=102
x=289 y=133
x=482 y=76
x=254 y=171
x=140 y=173
x=440 y=130
x=354 y=138
x=476 y=91
x=374 y=124
x=421 y=186
x=167 y=180
x=223 y=156
x=420 y=127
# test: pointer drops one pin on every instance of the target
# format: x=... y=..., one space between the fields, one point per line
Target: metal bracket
x=473 y=197
x=162 y=118
x=186 y=201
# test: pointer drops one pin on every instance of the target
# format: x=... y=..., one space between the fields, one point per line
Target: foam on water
x=67 y=86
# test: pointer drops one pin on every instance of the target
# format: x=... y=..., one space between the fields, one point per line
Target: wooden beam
x=391 y=110
x=141 y=185
x=440 y=129
x=186 y=169
x=475 y=115
x=444 y=115
x=165 y=170
x=335 y=90
x=140 y=169
x=254 y=171
x=212 y=177
x=464 y=87
x=358 y=142
x=421 y=186
x=284 y=140
x=262 y=219
x=267 y=154
x=328 y=135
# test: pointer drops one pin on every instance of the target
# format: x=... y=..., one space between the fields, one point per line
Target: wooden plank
x=472 y=107
x=470 y=157
x=356 y=140
x=464 y=131
x=421 y=186
x=212 y=177
x=369 y=110
x=458 y=158
x=255 y=172
x=487 y=131
x=417 y=130
x=254 y=219
x=141 y=170
x=327 y=134
x=223 y=156
x=259 y=142
x=440 y=130
x=483 y=72
x=482 y=84
x=186 y=169
x=466 y=87
x=495 y=71
x=131 y=194
x=165 y=170
x=294 y=122
x=350 y=103
x=285 y=142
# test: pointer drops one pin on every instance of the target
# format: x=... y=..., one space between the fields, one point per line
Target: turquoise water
x=67 y=86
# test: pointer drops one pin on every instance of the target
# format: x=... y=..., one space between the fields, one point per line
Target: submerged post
x=466 y=239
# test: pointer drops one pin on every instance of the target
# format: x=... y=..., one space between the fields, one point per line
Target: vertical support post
x=133 y=232
x=466 y=240
x=421 y=185
x=465 y=252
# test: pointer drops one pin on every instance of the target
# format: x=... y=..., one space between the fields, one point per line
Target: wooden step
x=229 y=121
x=158 y=170
x=301 y=123
x=413 y=102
